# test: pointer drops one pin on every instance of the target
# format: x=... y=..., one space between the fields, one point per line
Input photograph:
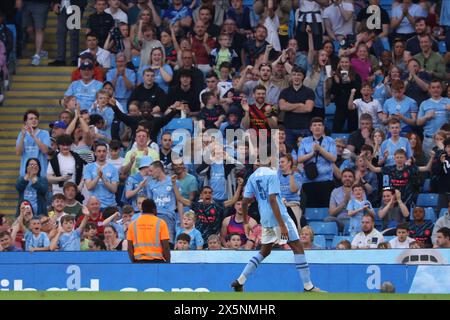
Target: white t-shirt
x=103 y=57
x=118 y=163
x=373 y=107
x=272 y=26
x=309 y=6
x=371 y=240
x=119 y=15
x=66 y=165
x=395 y=244
x=338 y=24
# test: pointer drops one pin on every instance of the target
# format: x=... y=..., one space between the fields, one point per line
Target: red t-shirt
x=98 y=221
x=201 y=56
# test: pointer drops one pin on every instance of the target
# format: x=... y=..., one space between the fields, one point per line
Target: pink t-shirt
x=362 y=68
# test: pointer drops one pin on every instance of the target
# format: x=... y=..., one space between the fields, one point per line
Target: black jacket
x=79 y=164
x=155 y=95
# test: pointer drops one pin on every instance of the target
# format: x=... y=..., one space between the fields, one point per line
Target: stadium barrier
x=411 y=271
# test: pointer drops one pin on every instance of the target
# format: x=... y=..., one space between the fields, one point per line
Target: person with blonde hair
x=307 y=238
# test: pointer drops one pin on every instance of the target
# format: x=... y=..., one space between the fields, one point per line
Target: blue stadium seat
x=346 y=231
x=320 y=241
x=338 y=239
x=178 y=123
x=325 y=228
x=443 y=211
x=316 y=214
x=426 y=186
x=430 y=214
x=427 y=200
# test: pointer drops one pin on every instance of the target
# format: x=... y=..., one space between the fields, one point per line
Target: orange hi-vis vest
x=146 y=233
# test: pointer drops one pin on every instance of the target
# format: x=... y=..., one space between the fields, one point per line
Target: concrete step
x=41 y=78
x=9 y=211
x=20 y=95
x=38 y=85
x=28 y=70
x=26 y=62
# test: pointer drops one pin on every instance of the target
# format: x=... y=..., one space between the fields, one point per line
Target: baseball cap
x=86 y=65
x=145 y=161
x=58 y=125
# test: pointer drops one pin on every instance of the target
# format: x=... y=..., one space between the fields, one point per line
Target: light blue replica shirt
x=196 y=237
x=158 y=77
x=120 y=90
x=391 y=146
x=324 y=167
x=262 y=183
x=111 y=174
x=85 y=93
x=163 y=195
x=355 y=221
x=405 y=107
x=70 y=241
x=31 y=241
x=31 y=150
x=108 y=115
x=218 y=182
x=441 y=115
x=30 y=194
x=131 y=184
x=285 y=186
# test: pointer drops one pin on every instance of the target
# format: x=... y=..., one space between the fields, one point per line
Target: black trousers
x=342 y=114
x=318 y=194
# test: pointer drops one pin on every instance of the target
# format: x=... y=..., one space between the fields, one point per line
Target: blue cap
x=58 y=124
x=145 y=161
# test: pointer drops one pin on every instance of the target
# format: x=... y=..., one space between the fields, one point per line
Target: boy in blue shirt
x=188 y=227
x=67 y=238
x=35 y=239
x=401 y=106
x=278 y=227
x=357 y=207
x=395 y=142
x=433 y=113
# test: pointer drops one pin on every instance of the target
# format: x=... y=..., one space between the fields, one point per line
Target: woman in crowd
x=344 y=80
x=112 y=241
x=33 y=188
x=307 y=238
x=163 y=72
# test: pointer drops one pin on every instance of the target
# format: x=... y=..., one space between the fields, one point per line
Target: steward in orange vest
x=148 y=236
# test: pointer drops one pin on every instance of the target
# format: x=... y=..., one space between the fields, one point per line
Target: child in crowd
x=196 y=240
x=214 y=242
x=402 y=241
x=223 y=53
x=68 y=238
x=234 y=241
x=113 y=215
x=89 y=232
x=356 y=207
x=212 y=116
x=35 y=239
x=72 y=206
x=114 y=154
x=367 y=104
x=183 y=241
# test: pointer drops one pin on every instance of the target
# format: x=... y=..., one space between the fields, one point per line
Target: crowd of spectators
x=150 y=67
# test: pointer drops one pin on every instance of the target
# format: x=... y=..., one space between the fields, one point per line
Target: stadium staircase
x=30 y=87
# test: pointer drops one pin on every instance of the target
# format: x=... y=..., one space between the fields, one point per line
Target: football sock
x=250 y=267
x=303 y=269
